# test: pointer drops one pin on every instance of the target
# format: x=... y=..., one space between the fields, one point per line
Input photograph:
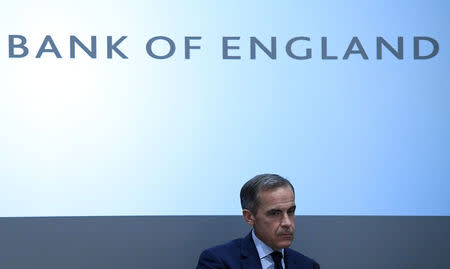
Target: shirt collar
x=263 y=249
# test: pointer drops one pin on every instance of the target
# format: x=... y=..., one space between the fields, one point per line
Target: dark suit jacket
x=242 y=254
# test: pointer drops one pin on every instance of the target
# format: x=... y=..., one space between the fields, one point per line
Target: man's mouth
x=288 y=236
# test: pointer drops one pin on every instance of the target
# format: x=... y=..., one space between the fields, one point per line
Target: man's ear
x=248 y=216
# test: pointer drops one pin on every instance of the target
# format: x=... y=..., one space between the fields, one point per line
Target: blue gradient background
x=179 y=137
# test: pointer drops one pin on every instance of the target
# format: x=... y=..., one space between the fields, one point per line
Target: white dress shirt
x=264 y=253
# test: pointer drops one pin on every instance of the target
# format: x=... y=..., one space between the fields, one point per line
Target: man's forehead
x=279 y=197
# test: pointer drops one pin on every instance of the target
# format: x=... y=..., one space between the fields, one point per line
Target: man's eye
x=274 y=213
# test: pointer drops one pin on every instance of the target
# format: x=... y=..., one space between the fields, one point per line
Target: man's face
x=274 y=222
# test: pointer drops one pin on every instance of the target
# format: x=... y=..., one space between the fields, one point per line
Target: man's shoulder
x=300 y=259
x=229 y=254
x=222 y=256
x=227 y=248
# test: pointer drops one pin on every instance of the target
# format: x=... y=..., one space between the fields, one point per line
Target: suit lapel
x=288 y=261
x=249 y=254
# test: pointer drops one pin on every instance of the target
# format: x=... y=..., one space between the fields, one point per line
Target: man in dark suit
x=268 y=205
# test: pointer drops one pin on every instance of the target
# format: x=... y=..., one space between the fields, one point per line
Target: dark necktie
x=276 y=256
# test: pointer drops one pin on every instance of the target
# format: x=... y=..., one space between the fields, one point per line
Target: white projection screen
x=150 y=108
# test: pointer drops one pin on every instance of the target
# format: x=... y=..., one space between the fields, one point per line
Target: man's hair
x=250 y=190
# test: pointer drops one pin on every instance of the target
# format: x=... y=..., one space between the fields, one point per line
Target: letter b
x=21 y=45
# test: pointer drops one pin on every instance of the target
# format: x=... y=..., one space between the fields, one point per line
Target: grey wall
x=175 y=241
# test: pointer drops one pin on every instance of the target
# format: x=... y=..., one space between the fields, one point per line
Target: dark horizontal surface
x=176 y=241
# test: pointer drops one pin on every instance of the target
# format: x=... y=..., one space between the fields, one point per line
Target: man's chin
x=285 y=243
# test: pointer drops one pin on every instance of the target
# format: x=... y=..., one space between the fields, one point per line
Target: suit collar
x=262 y=248
x=250 y=257
x=289 y=263
x=249 y=254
